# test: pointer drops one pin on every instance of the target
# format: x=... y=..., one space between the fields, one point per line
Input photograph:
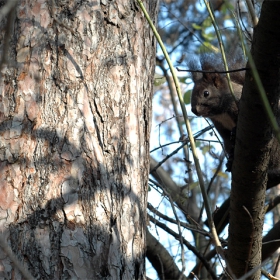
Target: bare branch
x=187 y=244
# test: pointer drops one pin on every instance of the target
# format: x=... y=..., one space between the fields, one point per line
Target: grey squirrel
x=211 y=96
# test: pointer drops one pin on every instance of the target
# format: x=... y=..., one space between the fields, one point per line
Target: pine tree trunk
x=75 y=118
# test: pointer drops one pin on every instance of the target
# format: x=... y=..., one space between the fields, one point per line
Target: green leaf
x=193 y=185
x=209 y=46
x=196 y=26
x=183 y=79
x=197 y=144
x=208 y=36
x=205 y=149
x=159 y=80
x=221 y=174
x=187 y=97
x=207 y=23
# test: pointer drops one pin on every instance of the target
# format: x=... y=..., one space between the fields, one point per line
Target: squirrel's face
x=205 y=100
x=200 y=104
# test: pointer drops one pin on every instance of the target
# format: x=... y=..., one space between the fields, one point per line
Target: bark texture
x=254 y=143
x=75 y=122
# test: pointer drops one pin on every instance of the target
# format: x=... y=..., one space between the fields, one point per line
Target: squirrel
x=211 y=97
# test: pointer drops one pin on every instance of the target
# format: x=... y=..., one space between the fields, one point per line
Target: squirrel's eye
x=206 y=93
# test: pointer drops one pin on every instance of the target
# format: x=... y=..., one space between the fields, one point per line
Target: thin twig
x=186 y=243
x=180 y=233
x=252 y=13
x=268 y=275
x=218 y=169
x=180 y=147
x=210 y=71
x=7 y=8
x=272 y=204
x=277 y=265
x=194 y=228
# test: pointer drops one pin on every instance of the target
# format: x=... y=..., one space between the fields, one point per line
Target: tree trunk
x=255 y=148
x=75 y=123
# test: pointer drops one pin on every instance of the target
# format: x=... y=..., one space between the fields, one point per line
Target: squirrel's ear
x=212 y=78
x=216 y=80
x=196 y=76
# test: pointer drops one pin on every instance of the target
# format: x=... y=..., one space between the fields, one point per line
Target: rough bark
x=75 y=122
x=254 y=143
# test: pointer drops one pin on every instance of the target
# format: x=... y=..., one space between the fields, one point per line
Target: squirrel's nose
x=194 y=110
